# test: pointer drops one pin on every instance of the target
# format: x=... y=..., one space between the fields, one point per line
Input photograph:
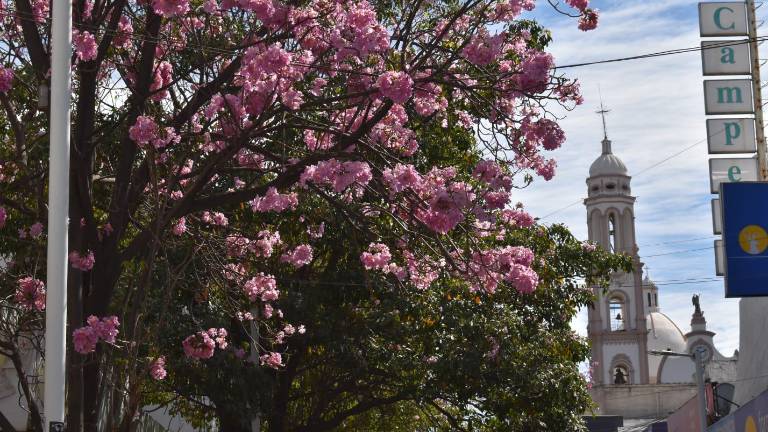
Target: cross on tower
x=603 y=112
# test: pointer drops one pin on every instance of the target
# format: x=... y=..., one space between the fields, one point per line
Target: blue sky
x=657 y=110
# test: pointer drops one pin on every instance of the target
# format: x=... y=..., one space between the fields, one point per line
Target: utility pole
x=757 y=91
x=58 y=217
x=698 y=359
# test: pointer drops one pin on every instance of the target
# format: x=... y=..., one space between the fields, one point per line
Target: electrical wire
x=643 y=171
x=666 y=53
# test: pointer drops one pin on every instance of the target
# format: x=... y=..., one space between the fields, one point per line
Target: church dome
x=608 y=163
x=664 y=334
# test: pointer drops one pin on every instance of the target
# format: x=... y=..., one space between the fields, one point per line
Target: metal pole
x=698 y=358
x=757 y=91
x=58 y=217
x=256 y=419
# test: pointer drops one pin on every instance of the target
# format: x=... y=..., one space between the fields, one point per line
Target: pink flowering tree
x=217 y=143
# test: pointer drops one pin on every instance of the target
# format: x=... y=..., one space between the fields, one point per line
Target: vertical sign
x=726 y=58
x=717 y=217
x=734 y=135
x=723 y=19
x=725 y=97
x=728 y=96
x=731 y=170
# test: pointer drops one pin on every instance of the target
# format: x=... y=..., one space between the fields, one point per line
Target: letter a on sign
x=723 y=19
x=725 y=58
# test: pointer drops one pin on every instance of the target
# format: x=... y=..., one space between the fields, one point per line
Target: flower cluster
x=157 y=368
x=300 y=256
x=82 y=262
x=202 y=344
x=30 y=293
x=86 y=338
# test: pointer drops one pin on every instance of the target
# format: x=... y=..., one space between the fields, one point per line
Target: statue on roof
x=696 y=304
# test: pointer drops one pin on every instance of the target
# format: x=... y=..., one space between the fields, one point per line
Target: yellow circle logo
x=753 y=239
x=749 y=425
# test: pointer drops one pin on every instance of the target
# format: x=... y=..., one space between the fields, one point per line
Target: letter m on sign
x=729 y=95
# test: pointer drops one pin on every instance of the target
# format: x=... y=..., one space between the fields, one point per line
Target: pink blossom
x=219 y=219
x=170 y=8
x=237 y=245
x=262 y=285
x=220 y=336
x=180 y=227
x=401 y=177
x=484 y=49
x=397 y=86
x=268 y=310
x=535 y=71
x=587 y=246
x=85 y=45
x=35 y=230
x=163 y=78
x=377 y=257
x=124 y=32
x=300 y=256
x=85 y=339
x=3 y=216
x=588 y=20
x=83 y=263
x=339 y=175
x=157 y=369
x=199 y=346
x=106 y=328
x=273 y=360
x=517 y=218
x=274 y=201
x=6 y=79
x=143 y=131
x=578 y=4
x=30 y=293
x=266 y=243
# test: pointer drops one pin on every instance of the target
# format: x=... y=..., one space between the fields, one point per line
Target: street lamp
x=698 y=359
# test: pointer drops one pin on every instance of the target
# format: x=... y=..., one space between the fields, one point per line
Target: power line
x=678 y=252
x=688 y=240
x=665 y=53
x=643 y=171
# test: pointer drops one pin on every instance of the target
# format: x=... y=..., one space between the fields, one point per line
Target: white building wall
x=753 y=349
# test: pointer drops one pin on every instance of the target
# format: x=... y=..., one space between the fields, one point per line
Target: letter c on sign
x=734 y=171
x=718 y=23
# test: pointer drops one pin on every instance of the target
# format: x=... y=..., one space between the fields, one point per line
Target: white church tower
x=617 y=322
x=626 y=322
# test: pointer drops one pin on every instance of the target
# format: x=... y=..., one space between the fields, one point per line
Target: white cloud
x=656 y=110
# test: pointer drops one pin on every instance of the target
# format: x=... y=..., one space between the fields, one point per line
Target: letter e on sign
x=723 y=19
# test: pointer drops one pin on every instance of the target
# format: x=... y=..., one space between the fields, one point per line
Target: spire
x=603 y=112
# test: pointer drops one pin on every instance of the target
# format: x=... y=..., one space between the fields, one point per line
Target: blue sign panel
x=745 y=237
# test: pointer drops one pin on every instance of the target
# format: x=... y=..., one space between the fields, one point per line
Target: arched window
x=612 y=232
x=617 y=313
x=621 y=374
x=649 y=300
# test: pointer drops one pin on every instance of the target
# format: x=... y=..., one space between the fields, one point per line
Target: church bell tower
x=617 y=321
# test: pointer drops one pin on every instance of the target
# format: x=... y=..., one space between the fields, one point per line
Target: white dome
x=663 y=333
x=607 y=164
